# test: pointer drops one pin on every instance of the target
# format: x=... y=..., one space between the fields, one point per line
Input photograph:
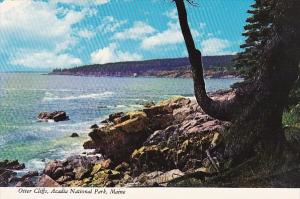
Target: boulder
x=30 y=174
x=7 y=175
x=46 y=181
x=54 y=169
x=122 y=132
x=94 y=126
x=89 y=144
x=11 y=164
x=119 y=139
x=124 y=166
x=73 y=135
x=63 y=179
x=27 y=182
x=55 y=116
x=149 y=104
x=81 y=172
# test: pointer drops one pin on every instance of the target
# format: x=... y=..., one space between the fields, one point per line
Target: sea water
x=87 y=100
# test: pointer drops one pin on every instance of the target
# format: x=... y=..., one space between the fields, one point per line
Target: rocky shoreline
x=161 y=144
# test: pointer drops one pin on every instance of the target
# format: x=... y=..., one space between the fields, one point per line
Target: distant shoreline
x=214 y=67
x=162 y=74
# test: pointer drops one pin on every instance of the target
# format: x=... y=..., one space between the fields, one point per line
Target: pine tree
x=256 y=32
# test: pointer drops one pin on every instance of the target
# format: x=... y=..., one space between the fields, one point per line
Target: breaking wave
x=51 y=97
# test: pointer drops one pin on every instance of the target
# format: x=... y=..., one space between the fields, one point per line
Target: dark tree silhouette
x=257 y=32
x=257 y=108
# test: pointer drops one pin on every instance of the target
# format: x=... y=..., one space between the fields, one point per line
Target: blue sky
x=42 y=35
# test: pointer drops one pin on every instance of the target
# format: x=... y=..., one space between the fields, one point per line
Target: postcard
x=149 y=98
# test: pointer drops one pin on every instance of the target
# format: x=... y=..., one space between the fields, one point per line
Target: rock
x=117 y=141
x=94 y=126
x=75 y=167
x=172 y=134
x=109 y=184
x=30 y=174
x=113 y=175
x=80 y=173
x=97 y=167
x=161 y=121
x=216 y=140
x=157 y=178
x=55 y=116
x=149 y=104
x=106 y=164
x=102 y=165
x=13 y=179
x=74 y=135
x=46 y=181
x=75 y=183
x=83 y=161
x=90 y=144
x=125 y=132
x=25 y=183
x=166 y=177
x=124 y=166
x=5 y=176
x=58 y=172
x=54 y=169
x=157 y=110
x=63 y=179
x=112 y=117
x=150 y=158
x=11 y=164
x=99 y=179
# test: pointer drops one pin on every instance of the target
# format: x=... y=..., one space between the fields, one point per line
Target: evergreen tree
x=256 y=32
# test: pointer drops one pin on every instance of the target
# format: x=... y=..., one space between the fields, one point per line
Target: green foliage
x=257 y=31
x=291 y=117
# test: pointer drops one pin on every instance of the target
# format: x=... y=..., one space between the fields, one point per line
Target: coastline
x=209 y=74
x=171 y=143
x=104 y=168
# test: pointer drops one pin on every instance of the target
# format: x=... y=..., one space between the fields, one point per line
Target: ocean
x=87 y=100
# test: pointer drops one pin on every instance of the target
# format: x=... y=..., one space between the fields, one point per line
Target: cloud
x=138 y=31
x=215 y=46
x=44 y=59
x=36 y=25
x=170 y=36
x=111 y=54
x=109 y=24
x=19 y=16
x=82 y=2
x=85 y=33
x=172 y=14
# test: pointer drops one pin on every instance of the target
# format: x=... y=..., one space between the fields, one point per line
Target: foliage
x=291 y=117
x=257 y=31
x=123 y=68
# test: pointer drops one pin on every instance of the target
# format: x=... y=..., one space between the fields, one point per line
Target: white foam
x=87 y=96
x=121 y=106
x=36 y=164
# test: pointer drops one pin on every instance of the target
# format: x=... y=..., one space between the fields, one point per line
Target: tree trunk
x=256 y=111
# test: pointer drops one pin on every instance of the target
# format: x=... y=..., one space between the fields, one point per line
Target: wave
x=51 y=97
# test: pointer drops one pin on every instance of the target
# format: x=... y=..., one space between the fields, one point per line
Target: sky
x=46 y=34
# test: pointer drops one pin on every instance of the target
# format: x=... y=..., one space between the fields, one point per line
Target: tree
x=257 y=108
x=257 y=32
